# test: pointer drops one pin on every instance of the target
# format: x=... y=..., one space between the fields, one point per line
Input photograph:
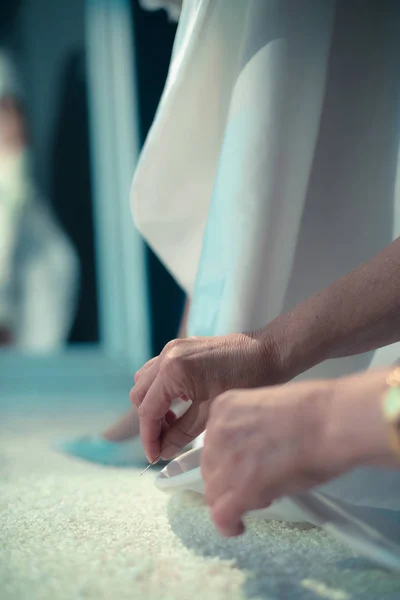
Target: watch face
x=393 y=378
x=391 y=405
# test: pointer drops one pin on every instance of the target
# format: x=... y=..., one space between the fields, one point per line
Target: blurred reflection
x=71 y=196
x=38 y=265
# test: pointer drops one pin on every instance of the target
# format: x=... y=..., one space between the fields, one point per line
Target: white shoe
x=98 y=449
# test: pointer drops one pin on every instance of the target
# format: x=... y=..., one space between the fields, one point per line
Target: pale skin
x=357 y=313
x=272 y=442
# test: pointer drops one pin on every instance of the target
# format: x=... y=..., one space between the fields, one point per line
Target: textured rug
x=70 y=531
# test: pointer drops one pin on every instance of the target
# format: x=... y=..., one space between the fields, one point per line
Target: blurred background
x=80 y=81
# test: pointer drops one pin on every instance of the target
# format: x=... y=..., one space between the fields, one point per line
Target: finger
x=227 y=514
x=229 y=509
x=166 y=423
x=146 y=380
x=244 y=492
x=152 y=413
x=150 y=433
x=219 y=478
x=223 y=481
x=185 y=430
x=156 y=400
x=145 y=368
x=170 y=418
x=213 y=447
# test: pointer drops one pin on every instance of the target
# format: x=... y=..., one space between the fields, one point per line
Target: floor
x=70 y=530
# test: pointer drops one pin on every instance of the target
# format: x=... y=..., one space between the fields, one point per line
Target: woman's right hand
x=265 y=444
x=198 y=369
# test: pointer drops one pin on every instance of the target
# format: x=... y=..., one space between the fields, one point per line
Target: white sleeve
x=15 y=192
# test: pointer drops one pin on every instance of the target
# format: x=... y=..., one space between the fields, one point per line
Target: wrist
x=356 y=432
x=268 y=357
x=293 y=344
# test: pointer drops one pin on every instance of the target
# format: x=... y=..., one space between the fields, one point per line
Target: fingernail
x=153 y=461
x=169 y=453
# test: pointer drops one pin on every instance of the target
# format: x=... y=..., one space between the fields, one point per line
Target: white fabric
x=46 y=280
x=14 y=194
x=172 y=7
x=272 y=167
x=38 y=266
x=175 y=177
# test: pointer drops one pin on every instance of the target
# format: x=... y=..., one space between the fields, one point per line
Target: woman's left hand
x=264 y=444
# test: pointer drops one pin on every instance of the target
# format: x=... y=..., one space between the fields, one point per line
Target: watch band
x=391 y=409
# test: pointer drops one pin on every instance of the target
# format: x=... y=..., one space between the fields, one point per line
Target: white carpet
x=70 y=530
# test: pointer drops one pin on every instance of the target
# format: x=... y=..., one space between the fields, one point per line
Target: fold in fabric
x=174 y=180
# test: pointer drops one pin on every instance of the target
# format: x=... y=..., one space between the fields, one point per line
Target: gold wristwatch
x=391 y=409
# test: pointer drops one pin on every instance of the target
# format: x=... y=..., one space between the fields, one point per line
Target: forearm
x=356 y=314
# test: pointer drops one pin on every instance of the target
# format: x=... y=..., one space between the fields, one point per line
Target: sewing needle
x=149 y=465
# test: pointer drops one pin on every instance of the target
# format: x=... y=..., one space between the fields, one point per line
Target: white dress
x=272 y=166
x=39 y=268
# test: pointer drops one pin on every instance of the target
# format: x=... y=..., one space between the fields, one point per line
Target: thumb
x=184 y=430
